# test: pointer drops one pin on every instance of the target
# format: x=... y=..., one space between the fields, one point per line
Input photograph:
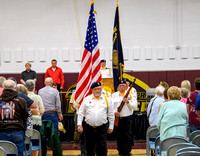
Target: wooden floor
x=111 y=152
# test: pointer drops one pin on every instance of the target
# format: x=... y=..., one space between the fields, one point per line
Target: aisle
x=111 y=152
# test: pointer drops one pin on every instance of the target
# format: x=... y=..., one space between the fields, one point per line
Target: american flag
x=90 y=64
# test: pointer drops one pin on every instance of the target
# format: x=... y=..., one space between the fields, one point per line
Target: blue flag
x=117 y=55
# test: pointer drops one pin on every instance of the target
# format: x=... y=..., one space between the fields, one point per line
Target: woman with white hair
x=30 y=85
x=153 y=107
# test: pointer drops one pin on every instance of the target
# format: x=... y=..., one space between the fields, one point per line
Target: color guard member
x=97 y=110
x=124 y=129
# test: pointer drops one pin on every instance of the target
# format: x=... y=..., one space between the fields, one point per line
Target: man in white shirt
x=105 y=72
x=124 y=129
x=97 y=110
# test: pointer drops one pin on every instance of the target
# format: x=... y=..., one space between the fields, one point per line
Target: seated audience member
x=165 y=97
x=12 y=125
x=184 y=95
x=194 y=122
x=152 y=112
x=30 y=85
x=186 y=84
x=28 y=74
x=2 y=79
x=172 y=118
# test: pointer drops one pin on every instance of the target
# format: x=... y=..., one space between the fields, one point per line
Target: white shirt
x=133 y=92
x=96 y=111
x=127 y=110
x=106 y=73
x=106 y=93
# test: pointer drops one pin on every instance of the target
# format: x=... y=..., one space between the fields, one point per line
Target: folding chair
x=27 y=149
x=150 y=92
x=186 y=149
x=150 y=140
x=36 y=139
x=2 y=152
x=157 y=146
x=9 y=147
x=174 y=148
x=189 y=153
x=166 y=143
x=193 y=135
x=196 y=140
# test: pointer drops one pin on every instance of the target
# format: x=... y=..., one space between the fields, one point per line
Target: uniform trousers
x=124 y=135
x=96 y=140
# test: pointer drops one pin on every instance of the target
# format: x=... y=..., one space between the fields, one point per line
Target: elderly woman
x=152 y=112
x=172 y=118
x=30 y=85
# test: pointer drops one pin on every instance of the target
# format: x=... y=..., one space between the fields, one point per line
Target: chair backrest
x=2 y=152
x=153 y=133
x=193 y=135
x=174 y=148
x=150 y=127
x=189 y=153
x=28 y=150
x=196 y=140
x=157 y=146
x=150 y=92
x=36 y=135
x=166 y=143
x=197 y=149
x=9 y=147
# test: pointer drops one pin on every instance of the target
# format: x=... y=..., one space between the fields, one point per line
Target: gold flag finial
x=117 y=2
x=92 y=2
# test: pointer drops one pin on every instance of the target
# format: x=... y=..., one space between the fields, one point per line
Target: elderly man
x=153 y=107
x=124 y=129
x=52 y=106
x=97 y=110
x=2 y=79
x=14 y=113
x=28 y=74
x=56 y=74
x=51 y=101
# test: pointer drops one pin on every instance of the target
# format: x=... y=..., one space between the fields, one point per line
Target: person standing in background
x=56 y=74
x=28 y=74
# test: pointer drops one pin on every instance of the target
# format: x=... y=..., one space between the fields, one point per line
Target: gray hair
x=185 y=92
x=159 y=90
x=30 y=85
x=22 y=88
x=2 y=79
x=9 y=84
x=48 y=81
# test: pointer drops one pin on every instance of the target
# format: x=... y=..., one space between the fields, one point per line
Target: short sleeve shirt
x=26 y=98
x=28 y=75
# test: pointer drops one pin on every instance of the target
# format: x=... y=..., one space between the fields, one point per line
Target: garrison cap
x=95 y=84
x=103 y=60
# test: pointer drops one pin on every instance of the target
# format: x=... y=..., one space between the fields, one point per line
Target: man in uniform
x=28 y=74
x=105 y=72
x=124 y=129
x=97 y=110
